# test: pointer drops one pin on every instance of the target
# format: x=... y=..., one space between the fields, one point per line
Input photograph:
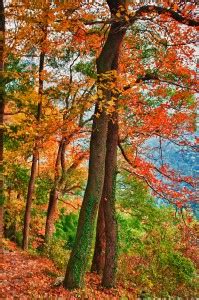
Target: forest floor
x=25 y=276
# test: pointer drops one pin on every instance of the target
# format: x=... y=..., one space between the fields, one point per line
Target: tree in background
x=49 y=124
x=35 y=155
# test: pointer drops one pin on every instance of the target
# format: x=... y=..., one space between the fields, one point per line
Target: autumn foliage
x=98 y=108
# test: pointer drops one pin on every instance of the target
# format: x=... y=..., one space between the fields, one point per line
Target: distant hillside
x=181 y=158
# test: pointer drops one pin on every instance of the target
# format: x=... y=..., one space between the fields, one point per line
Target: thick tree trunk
x=2 y=106
x=76 y=268
x=110 y=267
x=78 y=261
x=31 y=185
x=105 y=253
x=100 y=241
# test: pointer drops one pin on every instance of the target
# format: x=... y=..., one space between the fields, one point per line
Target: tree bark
x=100 y=241
x=105 y=253
x=2 y=106
x=53 y=198
x=52 y=206
x=110 y=266
x=78 y=261
x=31 y=185
x=77 y=265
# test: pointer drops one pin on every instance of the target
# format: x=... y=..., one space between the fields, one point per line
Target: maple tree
x=114 y=39
x=40 y=22
x=35 y=150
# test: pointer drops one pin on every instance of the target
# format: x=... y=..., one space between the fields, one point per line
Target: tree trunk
x=79 y=257
x=31 y=185
x=27 y=215
x=110 y=267
x=53 y=198
x=58 y=186
x=100 y=241
x=105 y=253
x=2 y=106
x=52 y=206
x=106 y=223
x=78 y=261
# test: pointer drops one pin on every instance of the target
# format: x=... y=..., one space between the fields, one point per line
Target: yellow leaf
x=97 y=115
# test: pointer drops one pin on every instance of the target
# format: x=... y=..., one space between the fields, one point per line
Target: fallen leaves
x=25 y=276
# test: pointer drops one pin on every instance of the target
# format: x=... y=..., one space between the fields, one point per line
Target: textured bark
x=31 y=185
x=100 y=242
x=105 y=253
x=77 y=264
x=78 y=261
x=2 y=106
x=110 y=267
x=52 y=206
x=27 y=215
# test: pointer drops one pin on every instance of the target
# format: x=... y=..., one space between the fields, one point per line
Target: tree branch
x=150 y=9
x=162 y=10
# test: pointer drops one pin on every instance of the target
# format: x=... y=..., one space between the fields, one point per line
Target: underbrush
x=57 y=252
x=175 y=277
